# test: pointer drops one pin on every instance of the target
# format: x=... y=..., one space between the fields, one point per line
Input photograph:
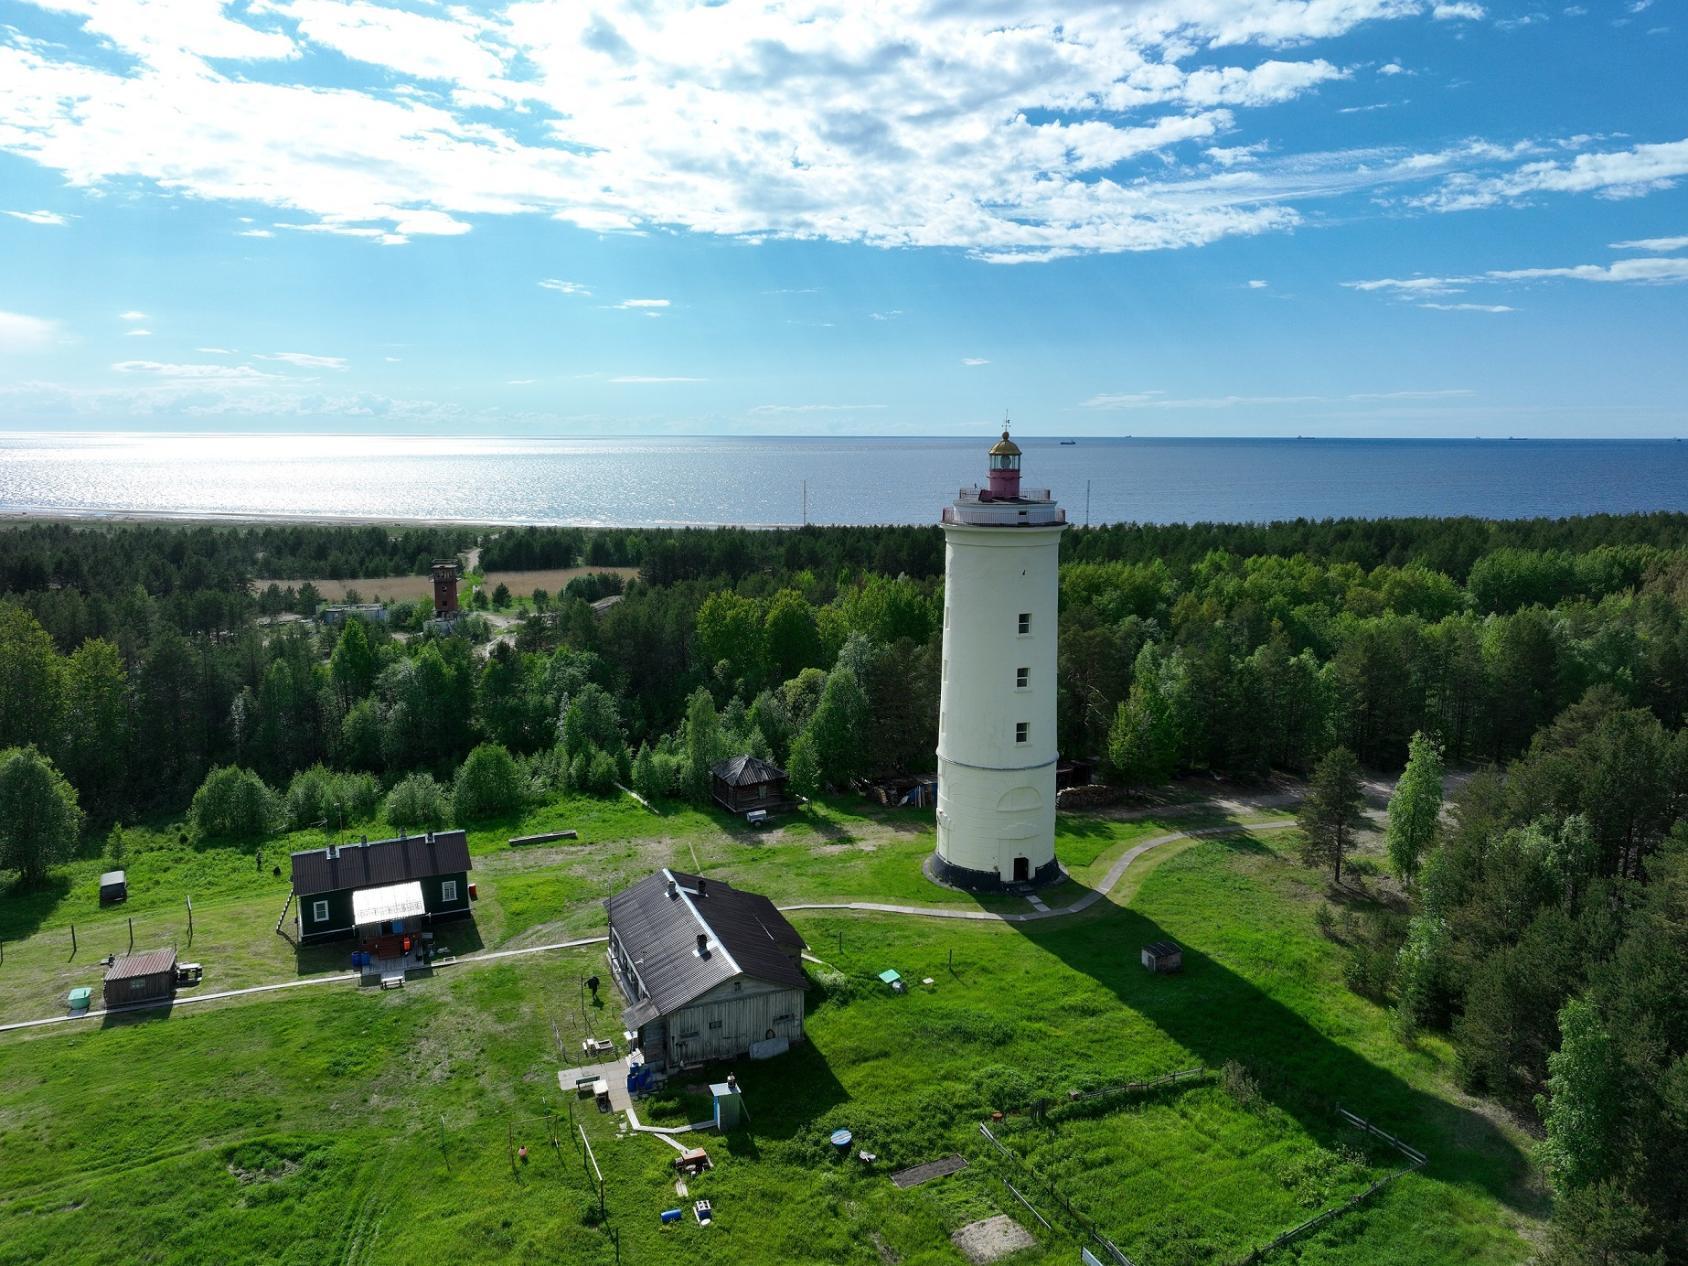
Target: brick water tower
x=445 y=589
x=996 y=719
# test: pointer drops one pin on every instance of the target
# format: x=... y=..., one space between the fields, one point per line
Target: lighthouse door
x=1022 y=870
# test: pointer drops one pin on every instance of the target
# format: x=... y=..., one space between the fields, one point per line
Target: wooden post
x=190 y=922
x=131 y=934
x=73 y=940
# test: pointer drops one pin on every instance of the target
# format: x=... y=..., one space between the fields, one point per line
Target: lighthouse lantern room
x=996 y=723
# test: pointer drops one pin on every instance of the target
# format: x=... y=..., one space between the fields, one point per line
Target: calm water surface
x=759 y=481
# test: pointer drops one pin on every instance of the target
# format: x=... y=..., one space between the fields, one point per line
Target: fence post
x=131 y=934
x=190 y=922
x=73 y=940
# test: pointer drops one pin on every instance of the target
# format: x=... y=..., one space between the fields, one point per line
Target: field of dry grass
x=408 y=588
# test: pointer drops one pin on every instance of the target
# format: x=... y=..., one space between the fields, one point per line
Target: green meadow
x=329 y=1124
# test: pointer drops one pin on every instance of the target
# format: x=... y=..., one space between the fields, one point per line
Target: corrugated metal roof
x=148 y=964
x=380 y=863
x=747 y=771
x=747 y=936
x=112 y=877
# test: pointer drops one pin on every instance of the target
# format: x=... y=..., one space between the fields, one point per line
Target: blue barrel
x=841 y=1139
x=670 y=1215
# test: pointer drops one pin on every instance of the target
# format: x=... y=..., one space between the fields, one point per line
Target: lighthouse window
x=1022 y=678
x=1025 y=623
x=1022 y=731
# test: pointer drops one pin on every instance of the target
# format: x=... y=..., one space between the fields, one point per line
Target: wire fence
x=1042 y=1110
x=1416 y=1160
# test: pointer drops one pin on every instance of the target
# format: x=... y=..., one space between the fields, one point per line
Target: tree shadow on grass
x=1218 y=1015
x=23 y=910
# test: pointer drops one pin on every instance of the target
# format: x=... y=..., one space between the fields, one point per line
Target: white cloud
x=645 y=378
x=1054 y=133
x=37 y=217
x=1615 y=174
x=635 y=304
x=1664 y=270
x=1462 y=12
x=137 y=333
x=1256 y=284
x=974 y=360
x=1661 y=244
x=21 y=333
x=215 y=351
x=1523 y=19
x=520 y=382
x=1392 y=68
x=131 y=316
x=1468 y=307
x=890 y=315
x=305 y=360
x=255 y=233
x=564 y=287
x=222 y=374
x=1646 y=271
x=1412 y=285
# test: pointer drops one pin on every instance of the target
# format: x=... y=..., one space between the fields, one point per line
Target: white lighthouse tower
x=996 y=721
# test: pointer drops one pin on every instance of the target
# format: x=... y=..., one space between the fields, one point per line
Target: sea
x=781 y=481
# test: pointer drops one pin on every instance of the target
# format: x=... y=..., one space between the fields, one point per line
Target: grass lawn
x=330 y=1124
x=839 y=850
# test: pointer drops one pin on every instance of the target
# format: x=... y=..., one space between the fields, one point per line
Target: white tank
x=996 y=723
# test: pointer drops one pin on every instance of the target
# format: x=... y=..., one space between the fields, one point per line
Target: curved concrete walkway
x=1116 y=872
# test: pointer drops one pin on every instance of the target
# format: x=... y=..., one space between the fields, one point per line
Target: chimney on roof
x=673 y=890
x=702 y=945
x=702 y=886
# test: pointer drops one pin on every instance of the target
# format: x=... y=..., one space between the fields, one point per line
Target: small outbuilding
x=114 y=887
x=1163 y=957
x=745 y=784
x=136 y=979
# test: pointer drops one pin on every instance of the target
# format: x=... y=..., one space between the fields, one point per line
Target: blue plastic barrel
x=670 y=1215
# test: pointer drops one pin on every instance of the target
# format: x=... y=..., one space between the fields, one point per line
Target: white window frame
x=1022 y=732
x=448 y=890
x=1025 y=624
x=319 y=912
x=1022 y=678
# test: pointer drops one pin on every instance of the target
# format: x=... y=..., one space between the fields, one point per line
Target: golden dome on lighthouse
x=1005 y=447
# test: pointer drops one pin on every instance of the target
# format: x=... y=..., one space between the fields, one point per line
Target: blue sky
x=1194 y=217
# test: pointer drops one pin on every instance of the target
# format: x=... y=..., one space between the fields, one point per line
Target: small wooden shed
x=747 y=783
x=1163 y=956
x=141 y=978
x=114 y=887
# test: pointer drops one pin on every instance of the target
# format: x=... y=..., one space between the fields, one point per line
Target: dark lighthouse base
x=944 y=872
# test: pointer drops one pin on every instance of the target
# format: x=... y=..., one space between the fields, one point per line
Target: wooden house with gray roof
x=709 y=971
